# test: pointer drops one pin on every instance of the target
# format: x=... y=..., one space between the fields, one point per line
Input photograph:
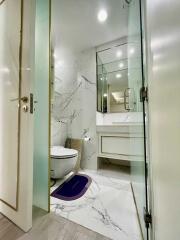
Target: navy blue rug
x=73 y=188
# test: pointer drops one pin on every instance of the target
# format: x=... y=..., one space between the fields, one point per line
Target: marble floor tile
x=115 y=171
x=107 y=208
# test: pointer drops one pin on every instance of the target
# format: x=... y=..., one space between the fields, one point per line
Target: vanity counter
x=123 y=127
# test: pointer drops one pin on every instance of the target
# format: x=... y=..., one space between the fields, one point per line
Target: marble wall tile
x=74 y=104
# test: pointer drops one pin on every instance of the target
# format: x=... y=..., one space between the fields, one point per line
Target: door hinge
x=144 y=94
x=147 y=218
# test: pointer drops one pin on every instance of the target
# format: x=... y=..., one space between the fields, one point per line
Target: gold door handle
x=23 y=99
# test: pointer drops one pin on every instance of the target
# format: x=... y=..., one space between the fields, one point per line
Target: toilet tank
x=58 y=133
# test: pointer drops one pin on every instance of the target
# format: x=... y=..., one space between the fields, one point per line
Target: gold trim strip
x=19 y=110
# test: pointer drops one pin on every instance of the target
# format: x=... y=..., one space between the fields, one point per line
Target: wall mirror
x=114 y=91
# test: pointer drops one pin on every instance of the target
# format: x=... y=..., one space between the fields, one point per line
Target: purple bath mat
x=73 y=188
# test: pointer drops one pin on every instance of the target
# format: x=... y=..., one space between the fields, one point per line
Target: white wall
x=163 y=27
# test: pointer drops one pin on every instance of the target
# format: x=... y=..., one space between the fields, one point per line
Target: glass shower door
x=136 y=82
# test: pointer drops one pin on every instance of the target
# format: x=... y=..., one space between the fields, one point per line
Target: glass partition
x=41 y=115
x=136 y=82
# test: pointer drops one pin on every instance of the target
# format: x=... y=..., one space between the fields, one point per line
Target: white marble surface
x=119 y=118
x=107 y=208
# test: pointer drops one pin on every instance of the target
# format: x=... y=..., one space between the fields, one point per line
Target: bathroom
x=96 y=115
x=89 y=120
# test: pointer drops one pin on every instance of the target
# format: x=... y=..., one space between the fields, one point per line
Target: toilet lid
x=61 y=152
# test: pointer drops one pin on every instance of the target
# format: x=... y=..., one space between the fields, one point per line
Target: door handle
x=129 y=95
x=23 y=99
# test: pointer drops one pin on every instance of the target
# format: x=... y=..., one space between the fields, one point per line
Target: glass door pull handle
x=129 y=99
x=23 y=99
x=126 y=97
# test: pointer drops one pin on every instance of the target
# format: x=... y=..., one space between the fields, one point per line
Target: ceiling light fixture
x=132 y=51
x=5 y=70
x=102 y=15
x=119 y=54
x=118 y=75
x=121 y=65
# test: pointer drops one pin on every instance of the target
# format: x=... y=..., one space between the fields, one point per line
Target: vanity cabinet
x=117 y=143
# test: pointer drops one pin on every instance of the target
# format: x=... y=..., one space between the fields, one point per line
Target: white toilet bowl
x=63 y=160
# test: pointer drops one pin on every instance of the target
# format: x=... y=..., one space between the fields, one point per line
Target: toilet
x=63 y=161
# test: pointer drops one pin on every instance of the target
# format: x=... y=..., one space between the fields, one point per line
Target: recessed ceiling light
x=121 y=65
x=5 y=70
x=102 y=15
x=118 y=75
x=119 y=54
x=132 y=51
x=105 y=95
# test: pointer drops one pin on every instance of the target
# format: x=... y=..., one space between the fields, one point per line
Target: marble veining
x=107 y=208
x=74 y=104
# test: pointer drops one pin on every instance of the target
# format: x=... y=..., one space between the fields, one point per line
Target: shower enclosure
x=121 y=87
x=137 y=81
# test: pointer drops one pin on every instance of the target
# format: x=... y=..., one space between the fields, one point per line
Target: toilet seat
x=60 y=152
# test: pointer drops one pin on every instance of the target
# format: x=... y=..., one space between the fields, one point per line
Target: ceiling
x=75 y=25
